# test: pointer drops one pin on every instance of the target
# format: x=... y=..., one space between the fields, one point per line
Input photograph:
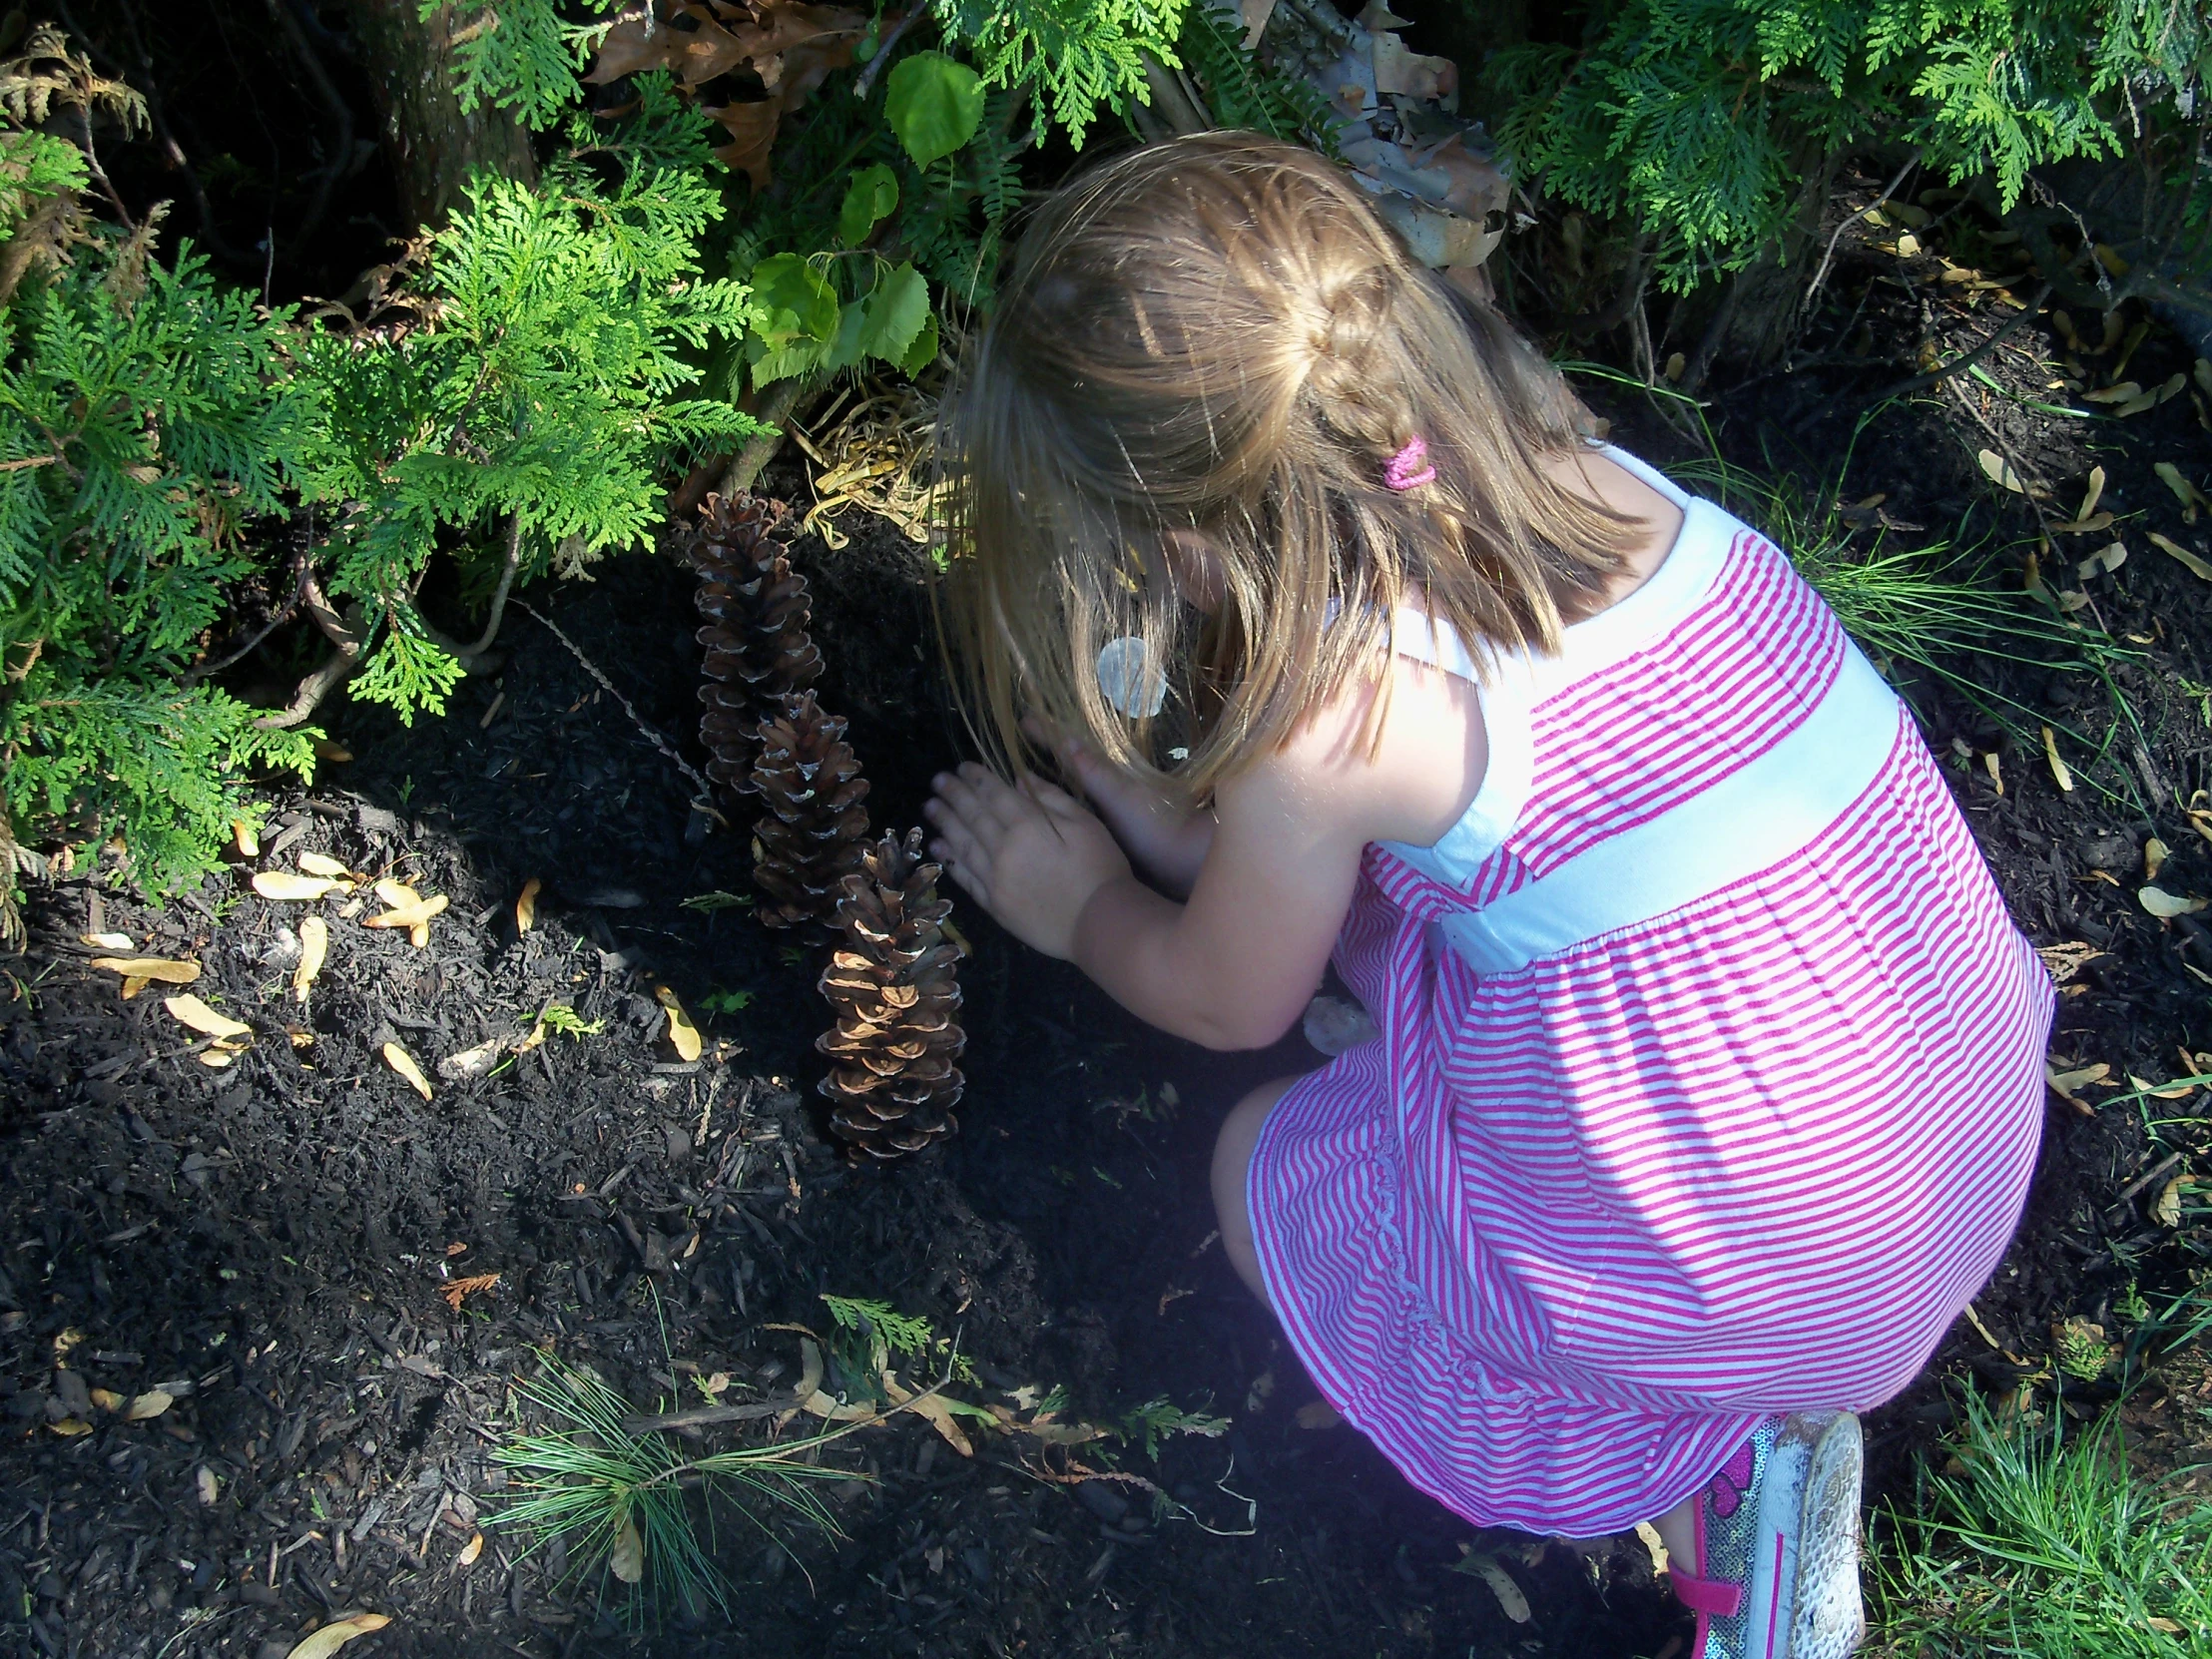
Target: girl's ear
x=1195 y=562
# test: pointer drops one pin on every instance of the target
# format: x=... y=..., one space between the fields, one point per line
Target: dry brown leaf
x=150 y=967
x=403 y=1063
x=459 y=1289
x=409 y=916
x=321 y=863
x=526 y=905
x=2065 y=1083
x=2174 y=549
x=151 y=1403
x=2058 y=770
x=627 y=1559
x=191 y=1011
x=1998 y=471
x=2163 y=904
x=2155 y=854
x=682 y=1034
x=470 y=1550
x=283 y=885
x=315 y=946
x=2165 y=1209
x=933 y=1411
x=2067 y=960
x=335 y=1635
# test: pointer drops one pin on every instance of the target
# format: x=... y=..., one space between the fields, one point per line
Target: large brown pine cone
x=893 y=986
x=812 y=836
x=757 y=649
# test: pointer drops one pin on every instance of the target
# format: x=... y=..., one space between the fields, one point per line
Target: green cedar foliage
x=523 y=56
x=146 y=422
x=1078 y=55
x=1699 y=118
x=541 y=396
x=1243 y=92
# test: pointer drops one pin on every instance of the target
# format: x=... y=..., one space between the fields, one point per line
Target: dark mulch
x=269 y=1242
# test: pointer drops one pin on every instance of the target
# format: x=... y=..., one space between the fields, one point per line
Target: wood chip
x=403 y=1063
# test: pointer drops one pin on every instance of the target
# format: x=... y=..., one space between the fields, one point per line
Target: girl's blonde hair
x=1218 y=336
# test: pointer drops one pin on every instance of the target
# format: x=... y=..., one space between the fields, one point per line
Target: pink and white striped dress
x=1710 y=1069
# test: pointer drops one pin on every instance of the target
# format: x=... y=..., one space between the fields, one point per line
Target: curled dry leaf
x=322 y=1643
x=410 y=917
x=526 y=905
x=2058 y=768
x=403 y=1063
x=191 y=1011
x=627 y=1559
x=2163 y=904
x=314 y=945
x=2165 y=1209
x=2155 y=854
x=682 y=1034
x=150 y=967
x=322 y=864
x=2174 y=549
x=283 y=885
x=151 y=1403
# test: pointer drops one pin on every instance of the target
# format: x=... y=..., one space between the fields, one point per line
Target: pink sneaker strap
x=1709 y=1596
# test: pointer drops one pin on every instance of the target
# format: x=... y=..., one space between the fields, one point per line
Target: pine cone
x=893 y=983
x=757 y=651
x=810 y=837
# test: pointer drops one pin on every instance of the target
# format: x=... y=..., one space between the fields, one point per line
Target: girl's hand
x=1169 y=843
x=1032 y=856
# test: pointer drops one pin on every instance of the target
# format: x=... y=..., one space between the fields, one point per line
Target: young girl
x=1708 y=1074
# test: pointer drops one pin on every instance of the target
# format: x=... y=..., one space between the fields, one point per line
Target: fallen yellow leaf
x=191 y=1011
x=314 y=945
x=403 y=1063
x=626 y=1560
x=2167 y=545
x=335 y=1635
x=283 y=885
x=681 y=1032
x=150 y=967
x=2058 y=769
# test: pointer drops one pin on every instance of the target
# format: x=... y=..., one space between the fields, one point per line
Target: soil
x=280 y=1245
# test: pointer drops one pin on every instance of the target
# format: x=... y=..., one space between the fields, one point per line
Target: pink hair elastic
x=1409 y=467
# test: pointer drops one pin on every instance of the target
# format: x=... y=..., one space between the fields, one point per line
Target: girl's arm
x=1235 y=967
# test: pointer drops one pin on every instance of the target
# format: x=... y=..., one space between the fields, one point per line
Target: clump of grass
x=2041 y=1543
x=633 y=1504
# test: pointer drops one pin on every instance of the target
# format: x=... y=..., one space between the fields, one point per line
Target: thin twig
x=865 y=83
x=506 y=585
x=652 y=735
x=1819 y=276
x=1920 y=382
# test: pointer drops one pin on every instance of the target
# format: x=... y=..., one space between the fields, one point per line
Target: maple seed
x=403 y=1063
x=314 y=945
x=526 y=906
x=286 y=887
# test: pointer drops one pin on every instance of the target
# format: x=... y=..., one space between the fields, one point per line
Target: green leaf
x=844 y=350
x=923 y=352
x=873 y=193
x=800 y=357
x=896 y=308
x=794 y=302
x=933 y=105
